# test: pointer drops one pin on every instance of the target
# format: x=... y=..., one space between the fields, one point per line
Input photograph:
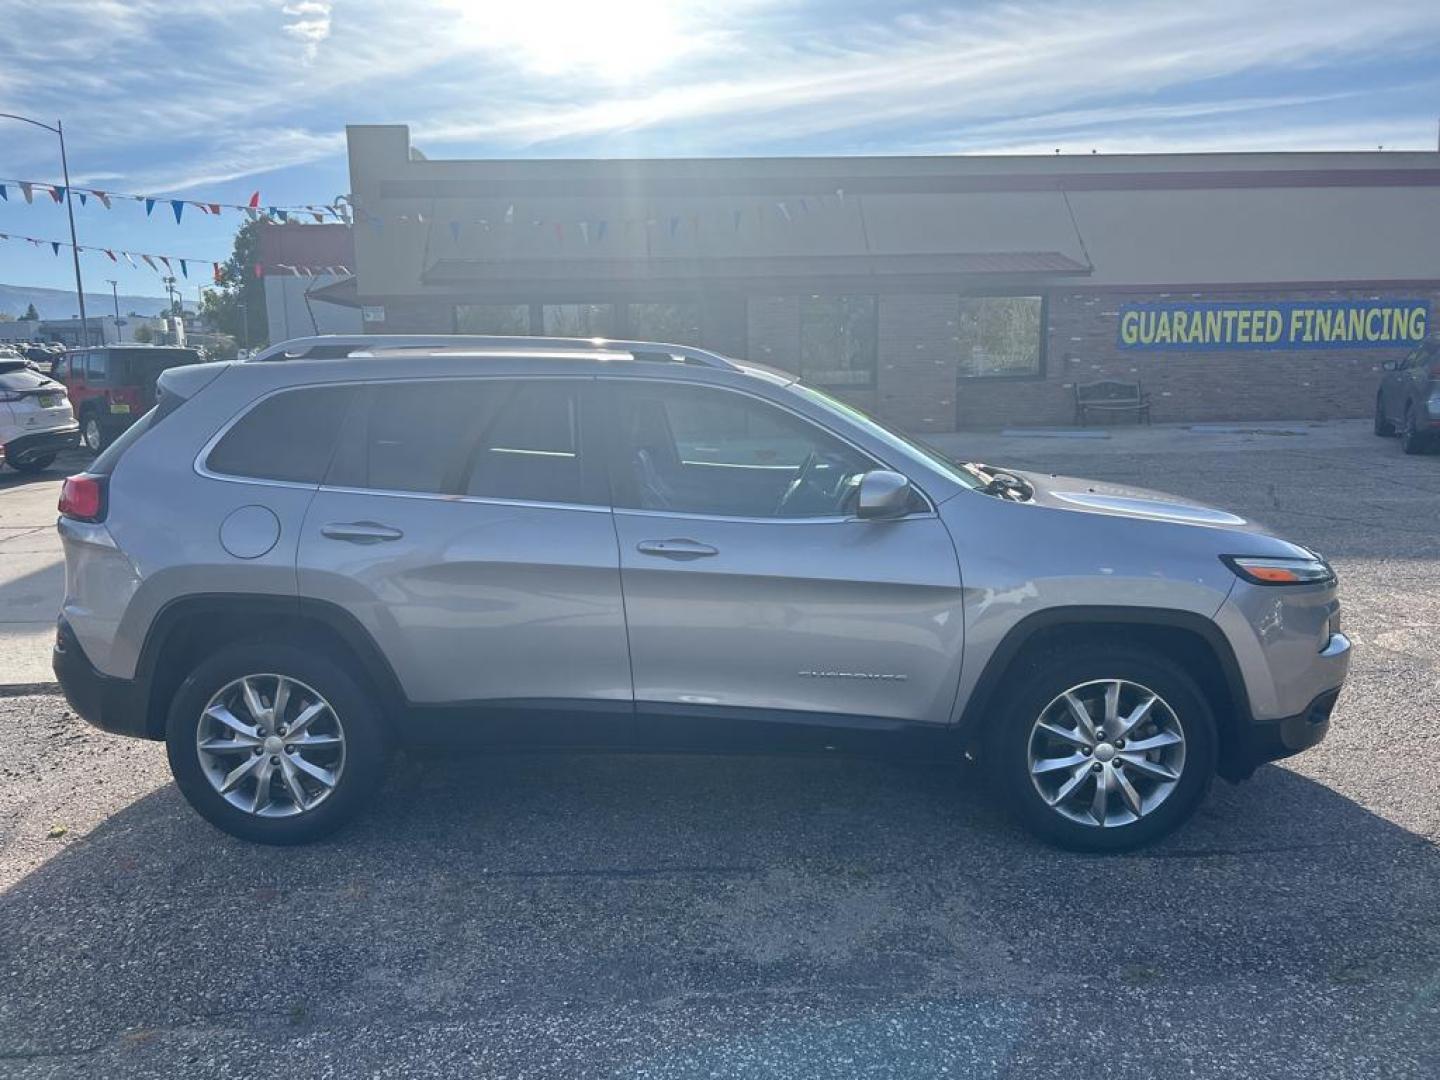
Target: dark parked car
x=1408 y=401
x=112 y=386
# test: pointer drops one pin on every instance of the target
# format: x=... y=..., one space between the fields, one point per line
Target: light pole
x=59 y=130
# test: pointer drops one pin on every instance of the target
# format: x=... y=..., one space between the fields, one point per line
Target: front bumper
x=1260 y=741
x=41 y=444
x=108 y=703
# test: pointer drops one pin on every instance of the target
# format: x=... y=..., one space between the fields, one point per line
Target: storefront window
x=499 y=319
x=673 y=324
x=838 y=340
x=578 y=320
x=1001 y=336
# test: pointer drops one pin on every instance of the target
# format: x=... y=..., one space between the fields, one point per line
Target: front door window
x=702 y=450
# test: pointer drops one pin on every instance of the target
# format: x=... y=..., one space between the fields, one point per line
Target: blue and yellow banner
x=1289 y=324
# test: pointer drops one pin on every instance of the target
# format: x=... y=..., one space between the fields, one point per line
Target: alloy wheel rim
x=1106 y=753
x=270 y=745
x=92 y=434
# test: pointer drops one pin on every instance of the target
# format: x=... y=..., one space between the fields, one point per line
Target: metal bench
x=1111 y=396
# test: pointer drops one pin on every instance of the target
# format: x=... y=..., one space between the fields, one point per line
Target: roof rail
x=335 y=346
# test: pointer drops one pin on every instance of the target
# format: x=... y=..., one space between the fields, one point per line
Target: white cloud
x=309 y=23
x=176 y=95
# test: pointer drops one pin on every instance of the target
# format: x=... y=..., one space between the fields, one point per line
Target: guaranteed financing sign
x=1291 y=324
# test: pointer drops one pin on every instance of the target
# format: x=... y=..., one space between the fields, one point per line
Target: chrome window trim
x=866 y=454
x=431 y=496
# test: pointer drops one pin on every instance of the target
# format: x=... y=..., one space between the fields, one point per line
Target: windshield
x=20 y=377
x=902 y=444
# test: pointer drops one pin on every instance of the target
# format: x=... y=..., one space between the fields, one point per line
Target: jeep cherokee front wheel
x=1104 y=749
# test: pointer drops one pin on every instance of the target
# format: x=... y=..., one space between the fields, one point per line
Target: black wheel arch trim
x=344 y=625
x=990 y=684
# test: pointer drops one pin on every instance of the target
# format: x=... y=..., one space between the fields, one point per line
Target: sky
x=215 y=99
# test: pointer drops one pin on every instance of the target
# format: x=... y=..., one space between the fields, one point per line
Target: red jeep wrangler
x=112 y=386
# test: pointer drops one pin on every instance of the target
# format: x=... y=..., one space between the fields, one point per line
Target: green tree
x=144 y=335
x=31 y=315
x=236 y=306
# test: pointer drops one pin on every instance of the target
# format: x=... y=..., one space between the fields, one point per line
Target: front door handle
x=360 y=532
x=676 y=549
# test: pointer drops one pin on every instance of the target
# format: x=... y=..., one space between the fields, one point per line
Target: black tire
x=1384 y=427
x=33 y=465
x=94 y=434
x=352 y=704
x=1412 y=440
x=1043 y=679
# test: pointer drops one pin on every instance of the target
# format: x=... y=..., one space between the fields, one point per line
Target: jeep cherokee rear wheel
x=1104 y=749
x=274 y=743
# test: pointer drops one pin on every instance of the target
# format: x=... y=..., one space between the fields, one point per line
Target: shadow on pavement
x=567 y=915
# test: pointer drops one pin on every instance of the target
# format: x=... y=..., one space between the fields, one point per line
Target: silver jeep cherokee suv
x=291 y=564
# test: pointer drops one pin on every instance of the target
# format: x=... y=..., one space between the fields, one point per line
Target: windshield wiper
x=1006 y=485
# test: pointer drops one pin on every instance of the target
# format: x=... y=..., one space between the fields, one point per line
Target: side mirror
x=883 y=494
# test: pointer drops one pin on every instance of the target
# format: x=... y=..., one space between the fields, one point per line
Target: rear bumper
x=111 y=704
x=28 y=447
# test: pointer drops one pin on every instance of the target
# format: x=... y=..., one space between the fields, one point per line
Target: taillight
x=83 y=497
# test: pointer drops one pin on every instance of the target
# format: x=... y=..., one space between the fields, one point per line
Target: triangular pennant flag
x=281 y=214
x=585 y=232
x=166 y=260
x=255 y=201
x=784 y=211
x=111 y=255
x=55 y=246
x=840 y=193
x=184 y=270
x=129 y=260
x=510 y=214
x=215 y=272
x=318 y=216
x=82 y=197
x=149 y=206
x=455 y=232
x=214 y=208
x=344 y=270
x=28 y=190
x=57 y=192
x=149 y=262
x=103 y=197
x=178 y=205
x=201 y=207
x=4 y=194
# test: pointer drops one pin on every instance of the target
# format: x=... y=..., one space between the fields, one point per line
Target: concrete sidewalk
x=32 y=574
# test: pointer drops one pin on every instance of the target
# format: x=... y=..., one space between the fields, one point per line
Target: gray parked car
x=1408 y=401
x=294 y=563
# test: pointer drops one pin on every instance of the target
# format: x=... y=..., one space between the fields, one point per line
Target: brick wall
x=1305 y=384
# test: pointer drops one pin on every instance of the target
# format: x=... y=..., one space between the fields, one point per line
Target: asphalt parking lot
x=575 y=915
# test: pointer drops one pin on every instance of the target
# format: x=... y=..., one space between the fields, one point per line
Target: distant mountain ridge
x=60 y=304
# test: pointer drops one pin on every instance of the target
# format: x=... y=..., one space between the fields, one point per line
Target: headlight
x=1279 y=571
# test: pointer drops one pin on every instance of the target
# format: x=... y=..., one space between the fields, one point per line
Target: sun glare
x=617 y=40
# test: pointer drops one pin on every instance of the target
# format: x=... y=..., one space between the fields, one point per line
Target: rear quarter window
x=289 y=436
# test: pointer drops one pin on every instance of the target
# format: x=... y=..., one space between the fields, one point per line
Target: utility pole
x=59 y=131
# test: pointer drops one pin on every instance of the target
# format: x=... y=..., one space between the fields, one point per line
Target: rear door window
x=497 y=438
x=97 y=366
x=288 y=437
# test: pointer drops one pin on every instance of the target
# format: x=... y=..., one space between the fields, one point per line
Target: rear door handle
x=676 y=549
x=360 y=532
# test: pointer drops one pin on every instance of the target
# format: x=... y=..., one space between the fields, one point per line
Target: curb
x=30 y=689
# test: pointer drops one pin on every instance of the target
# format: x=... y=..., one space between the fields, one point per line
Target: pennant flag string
x=113 y=254
x=319 y=211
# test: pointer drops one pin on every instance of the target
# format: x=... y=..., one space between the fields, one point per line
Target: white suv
x=36 y=421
